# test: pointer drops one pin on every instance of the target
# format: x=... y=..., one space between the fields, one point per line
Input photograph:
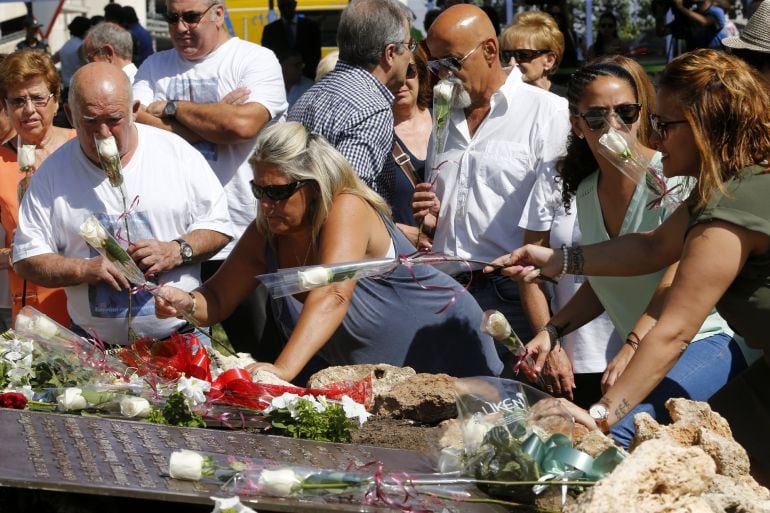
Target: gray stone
x=384 y=377
x=594 y=443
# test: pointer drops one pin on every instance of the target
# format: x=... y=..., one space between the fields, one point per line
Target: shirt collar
x=358 y=70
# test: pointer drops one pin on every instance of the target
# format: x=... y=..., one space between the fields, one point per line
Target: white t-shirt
x=592 y=347
x=236 y=63
x=130 y=71
x=174 y=192
x=485 y=180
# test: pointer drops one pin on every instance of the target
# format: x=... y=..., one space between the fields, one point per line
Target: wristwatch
x=169 y=110
x=185 y=251
x=600 y=413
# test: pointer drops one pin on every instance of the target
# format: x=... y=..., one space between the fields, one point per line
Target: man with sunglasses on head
x=217 y=92
x=498 y=139
x=351 y=106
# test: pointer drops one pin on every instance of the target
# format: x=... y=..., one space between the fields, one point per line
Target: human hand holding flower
x=528 y=263
x=154 y=256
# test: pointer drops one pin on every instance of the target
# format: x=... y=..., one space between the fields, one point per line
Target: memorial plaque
x=101 y=456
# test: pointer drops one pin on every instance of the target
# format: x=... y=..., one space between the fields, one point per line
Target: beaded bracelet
x=565 y=260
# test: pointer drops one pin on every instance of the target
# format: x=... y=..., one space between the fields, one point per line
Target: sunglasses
x=661 y=127
x=277 y=192
x=452 y=63
x=522 y=55
x=411 y=70
x=189 y=17
x=596 y=119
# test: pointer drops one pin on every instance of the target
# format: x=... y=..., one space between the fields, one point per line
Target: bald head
x=461 y=23
x=97 y=81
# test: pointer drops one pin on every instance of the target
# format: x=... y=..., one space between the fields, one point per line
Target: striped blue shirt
x=352 y=109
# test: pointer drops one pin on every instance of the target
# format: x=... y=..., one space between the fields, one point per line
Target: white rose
x=45 y=327
x=23 y=322
x=26 y=156
x=314 y=277
x=496 y=325
x=474 y=431
x=107 y=148
x=443 y=90
x=280 y=483
x=230 y=505
x=135 y=407
x=93 y=232
x=193 y=389
x=185 y=464
x=354 y=410
x=615 y=142
x=72 y=399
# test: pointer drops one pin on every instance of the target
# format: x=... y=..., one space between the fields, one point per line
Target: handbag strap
x=402 y=160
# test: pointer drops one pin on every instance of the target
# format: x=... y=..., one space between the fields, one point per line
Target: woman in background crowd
x=30 y=87
x=608 y=41
x=534 y=43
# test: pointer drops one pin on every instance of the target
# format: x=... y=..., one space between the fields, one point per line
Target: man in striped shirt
x=351 y=106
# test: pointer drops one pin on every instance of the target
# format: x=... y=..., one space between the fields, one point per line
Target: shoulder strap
x=403 y=161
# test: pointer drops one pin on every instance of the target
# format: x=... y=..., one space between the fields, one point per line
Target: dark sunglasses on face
x=189 y=17
x=661 y=127
x=452 y=63
x=277 y=192
x=596 y=119
x=522 y=55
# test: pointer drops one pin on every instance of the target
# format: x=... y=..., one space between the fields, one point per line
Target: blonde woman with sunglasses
x=609 y=205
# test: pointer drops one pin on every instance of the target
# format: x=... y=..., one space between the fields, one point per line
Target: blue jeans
x=705 y=367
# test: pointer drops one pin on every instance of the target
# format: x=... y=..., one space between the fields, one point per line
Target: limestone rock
x=740 y=495
x=731 y=459
x=384 y=377
x=594 y=443
x=425 y=398
x=687 y=417
x=657 y=477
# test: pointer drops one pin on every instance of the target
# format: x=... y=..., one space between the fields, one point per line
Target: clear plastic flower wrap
x=624 y=151
x=495 y=324
x=444 y=94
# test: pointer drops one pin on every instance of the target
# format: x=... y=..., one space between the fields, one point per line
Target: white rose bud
x=615 y=142
x=45 y=327
x=496 y=325
x=280 y=483
x=230 y=505
x=185 y=464
x=135 y=407
x=93 y=232
x=72 y=399
x=23 y=323
x=443 y=90
x=107 y=148
x=314 y=277
x=27 y=156
x=474 y=431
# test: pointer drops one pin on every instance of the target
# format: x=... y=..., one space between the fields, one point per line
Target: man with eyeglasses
x=178 y=203
x=351 y=106
x=108 y=42
x=498 y=140
x=217 y=92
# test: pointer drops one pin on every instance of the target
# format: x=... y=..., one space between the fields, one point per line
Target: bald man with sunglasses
x=505 y=134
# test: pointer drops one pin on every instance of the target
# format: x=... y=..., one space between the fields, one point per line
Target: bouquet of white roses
x=623 y=150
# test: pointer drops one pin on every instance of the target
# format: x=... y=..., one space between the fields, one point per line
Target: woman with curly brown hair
x=608 y=205
x=712 y=123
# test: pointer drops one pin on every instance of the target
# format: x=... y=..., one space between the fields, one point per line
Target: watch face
x=187 y=251
x=598 y=411
x=170 y=109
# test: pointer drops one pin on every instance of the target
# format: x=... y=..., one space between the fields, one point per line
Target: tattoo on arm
x=623 y=408
x=576 y=260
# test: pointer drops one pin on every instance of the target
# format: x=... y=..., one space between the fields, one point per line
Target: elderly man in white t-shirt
x=500 y=135
x=217 y=92
x=176 y=202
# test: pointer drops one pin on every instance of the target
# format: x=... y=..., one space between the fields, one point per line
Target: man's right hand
x=100 y=270
x=558 y=374
x=425 y=206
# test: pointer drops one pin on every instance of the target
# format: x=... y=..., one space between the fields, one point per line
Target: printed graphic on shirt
x=103 y=300
x=197 y=90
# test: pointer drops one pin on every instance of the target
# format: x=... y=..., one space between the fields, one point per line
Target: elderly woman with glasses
x=314 y=210
x=609 y=205
x=534 y=43
x=30 y=87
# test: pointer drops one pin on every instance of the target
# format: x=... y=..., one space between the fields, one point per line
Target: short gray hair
x=116 y=36
x=367 y=27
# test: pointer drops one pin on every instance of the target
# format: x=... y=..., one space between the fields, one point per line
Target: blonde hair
x=302 y=155
x=727 y=105
x=541 y=28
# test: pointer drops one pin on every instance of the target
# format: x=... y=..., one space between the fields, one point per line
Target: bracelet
x=191 y=311
x=565 y=260
x=633 y=340
x=553 y=334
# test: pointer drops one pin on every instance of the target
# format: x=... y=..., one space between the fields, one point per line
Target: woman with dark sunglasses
x=313 y=209
x=534 y=43
x=603 y=204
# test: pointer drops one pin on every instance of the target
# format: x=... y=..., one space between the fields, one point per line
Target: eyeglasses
x=522 y=55
x=411 y=45
x=596 y=119
x=411 y=70
x=452 y=63
x=37 y=101
x=661 y=127
x=189 y=18
x=277 y=192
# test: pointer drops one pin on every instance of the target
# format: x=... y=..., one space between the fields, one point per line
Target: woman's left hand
x=553 y=406
x=269 y=367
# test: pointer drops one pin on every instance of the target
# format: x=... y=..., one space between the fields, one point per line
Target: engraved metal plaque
x=94 y=455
